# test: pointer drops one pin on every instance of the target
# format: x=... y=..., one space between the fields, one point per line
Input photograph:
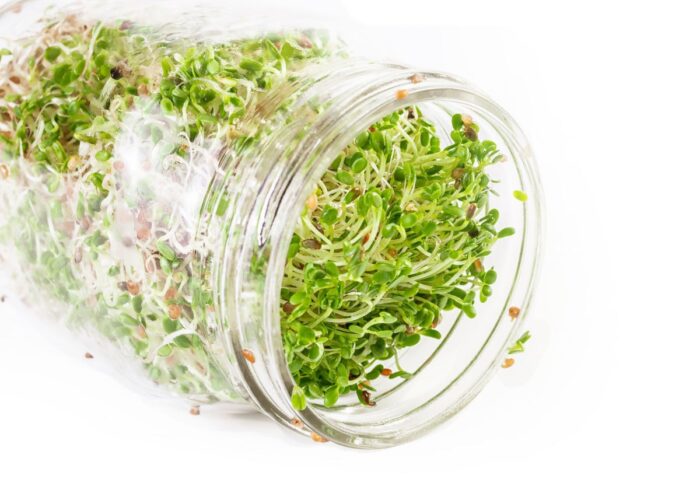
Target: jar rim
x=269 y=382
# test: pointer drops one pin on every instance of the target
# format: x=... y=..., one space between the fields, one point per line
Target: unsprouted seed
x=108 y=131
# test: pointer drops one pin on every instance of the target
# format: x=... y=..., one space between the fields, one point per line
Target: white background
x=604 y=403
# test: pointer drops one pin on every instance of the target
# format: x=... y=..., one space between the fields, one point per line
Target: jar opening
x=447 y=373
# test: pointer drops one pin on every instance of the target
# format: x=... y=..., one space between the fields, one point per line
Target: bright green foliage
x=399 y=233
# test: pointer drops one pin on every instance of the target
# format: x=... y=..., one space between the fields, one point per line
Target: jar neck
x=315 y=119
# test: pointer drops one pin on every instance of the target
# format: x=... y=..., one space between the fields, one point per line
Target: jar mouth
x=447 y=374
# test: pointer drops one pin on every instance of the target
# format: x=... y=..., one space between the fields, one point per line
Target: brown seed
x=152 y=265
x=174 y=311
x=288 y=307
x=142 y=90
x=471 y=210
x=194 y=411
x=88 y=355
x=143 y=233
x=411 y=114
x=467 y=120
x=117 y=72
x=15 y=79
x=507 y=363
x=170 y=293
x=318 y=438
x=297 y=423
x=457 y=173
x=73 y=163
x=141 y=332
x=416 y=78
x=304 y=42
x=471 y=133
x=513 y=312
x=478 y=266
x=367 y=398
x=312 y=244
x=392 y=252
x=365 y=238
x=312 y=202
x=436 y=321
x=133 y=288
x=386 y=372
x=401 y=94
x=248 y=355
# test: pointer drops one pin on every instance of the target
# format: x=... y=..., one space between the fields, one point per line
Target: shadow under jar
x=161 y=181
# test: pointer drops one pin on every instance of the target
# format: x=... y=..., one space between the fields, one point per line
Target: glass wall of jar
x=247 y=214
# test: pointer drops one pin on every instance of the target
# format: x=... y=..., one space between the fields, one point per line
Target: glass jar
x=154 y=171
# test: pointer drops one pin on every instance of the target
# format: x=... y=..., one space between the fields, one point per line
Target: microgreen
x=392 y=257
x=519 y=345
x=395 y=234
x=110 y=254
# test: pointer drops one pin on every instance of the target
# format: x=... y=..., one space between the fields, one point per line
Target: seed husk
x=508 y=362
x=248 y=355
x=416 y=78
x=312 y=244
x=367 y=398
x=174 y=311
x=513 y=312
x=171 y=293
x=312 y=202
x=318 y=438
x=116 y=73
x=133 y=288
